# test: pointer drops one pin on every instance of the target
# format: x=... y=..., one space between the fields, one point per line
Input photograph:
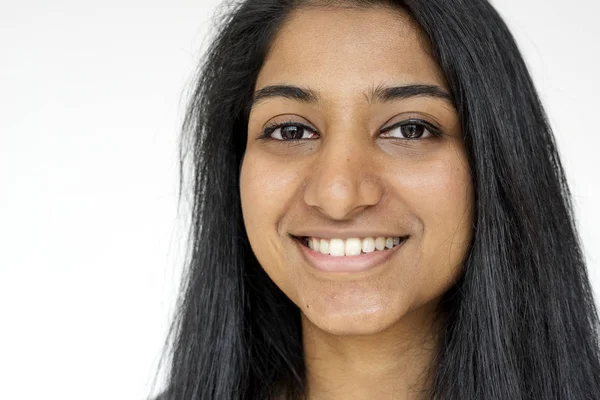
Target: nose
x=344 y=179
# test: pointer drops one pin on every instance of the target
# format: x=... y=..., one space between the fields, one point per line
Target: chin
x=348 y=322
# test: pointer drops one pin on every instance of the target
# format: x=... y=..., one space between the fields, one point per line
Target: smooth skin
x=370 y=334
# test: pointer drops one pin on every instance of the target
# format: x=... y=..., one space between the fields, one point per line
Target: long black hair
x=522 y=323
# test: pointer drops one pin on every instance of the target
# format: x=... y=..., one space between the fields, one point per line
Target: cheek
x=441 y=196
x=445 y=197
x=267 y=189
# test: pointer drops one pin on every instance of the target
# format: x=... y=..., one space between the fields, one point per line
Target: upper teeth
x=351 y=246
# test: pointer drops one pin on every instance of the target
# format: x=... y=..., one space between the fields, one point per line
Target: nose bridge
x=344 y=176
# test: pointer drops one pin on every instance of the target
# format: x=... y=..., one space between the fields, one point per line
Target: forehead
x=347 y=50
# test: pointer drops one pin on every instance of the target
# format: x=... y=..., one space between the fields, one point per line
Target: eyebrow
x=380 y=93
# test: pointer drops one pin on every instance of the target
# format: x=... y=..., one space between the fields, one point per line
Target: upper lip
x=345 y=234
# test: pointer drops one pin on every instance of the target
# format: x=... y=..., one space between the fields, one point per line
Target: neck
x=395 y=363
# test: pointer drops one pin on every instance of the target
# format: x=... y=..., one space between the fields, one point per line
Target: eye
x=411 y=129
x=288 y=131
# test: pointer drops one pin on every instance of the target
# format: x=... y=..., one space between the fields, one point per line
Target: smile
x=350 y=255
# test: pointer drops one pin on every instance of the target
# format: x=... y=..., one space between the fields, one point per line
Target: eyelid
x=272 y=127
x=433 y=129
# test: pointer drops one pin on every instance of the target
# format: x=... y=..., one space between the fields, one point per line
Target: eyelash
x=432 y=129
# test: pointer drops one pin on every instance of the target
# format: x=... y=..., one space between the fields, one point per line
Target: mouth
x=351 y=255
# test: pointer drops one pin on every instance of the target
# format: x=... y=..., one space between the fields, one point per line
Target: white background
x=91 y=100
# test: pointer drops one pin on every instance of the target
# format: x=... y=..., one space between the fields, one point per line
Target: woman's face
x=360 y=161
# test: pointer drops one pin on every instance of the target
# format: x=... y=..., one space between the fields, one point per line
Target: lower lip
x=358 y=263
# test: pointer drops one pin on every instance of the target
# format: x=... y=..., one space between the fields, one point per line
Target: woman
x=379 y=212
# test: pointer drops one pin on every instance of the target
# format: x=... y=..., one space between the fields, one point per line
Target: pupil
x=413 y=130
x=291 y=132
